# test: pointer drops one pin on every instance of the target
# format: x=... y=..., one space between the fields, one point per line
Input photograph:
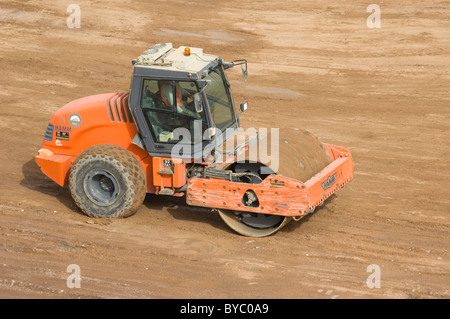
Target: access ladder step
x=165 y=171
x=166 y=191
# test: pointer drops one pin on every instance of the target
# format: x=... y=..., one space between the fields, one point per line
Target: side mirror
x=244 y=106
x=242 y=63
x=244 y=72
x=198 y=102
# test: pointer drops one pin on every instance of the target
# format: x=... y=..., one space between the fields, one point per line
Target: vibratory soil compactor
x=177 y=133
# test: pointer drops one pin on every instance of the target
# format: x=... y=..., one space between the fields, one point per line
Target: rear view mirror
x=244 y=106
x=243 y=64
x=198 y=102
x=244 y=72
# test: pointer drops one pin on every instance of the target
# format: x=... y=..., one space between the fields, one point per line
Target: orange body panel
x=55 y=166
x=277 y=195
x=171 y=175
x=332 y=178
x=97 y=125
x=288 y=200
x=104 y=119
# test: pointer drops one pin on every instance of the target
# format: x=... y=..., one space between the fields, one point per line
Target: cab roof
x=164 y=57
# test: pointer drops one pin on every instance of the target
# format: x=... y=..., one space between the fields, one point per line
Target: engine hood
x=97 y=119
x=99 y=107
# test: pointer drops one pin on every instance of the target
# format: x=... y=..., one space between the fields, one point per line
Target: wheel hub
x=106 y=184
x=101 y=187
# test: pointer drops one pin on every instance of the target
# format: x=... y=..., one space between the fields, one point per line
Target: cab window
x=219 y=99
x=168 y=105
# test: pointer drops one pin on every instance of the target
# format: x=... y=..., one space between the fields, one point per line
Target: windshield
x=219 y=99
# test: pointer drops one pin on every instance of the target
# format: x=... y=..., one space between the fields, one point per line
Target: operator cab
x=179 y=98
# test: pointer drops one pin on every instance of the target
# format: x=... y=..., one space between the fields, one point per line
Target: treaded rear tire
x=107 y=181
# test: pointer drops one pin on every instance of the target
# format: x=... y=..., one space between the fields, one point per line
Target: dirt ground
x=383 y=93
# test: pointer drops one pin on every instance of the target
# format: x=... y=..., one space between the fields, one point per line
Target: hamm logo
x=330 y=181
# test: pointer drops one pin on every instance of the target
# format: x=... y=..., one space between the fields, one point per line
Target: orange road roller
x=177 y=133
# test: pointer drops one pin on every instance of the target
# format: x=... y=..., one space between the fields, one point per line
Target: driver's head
x=167 y=94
